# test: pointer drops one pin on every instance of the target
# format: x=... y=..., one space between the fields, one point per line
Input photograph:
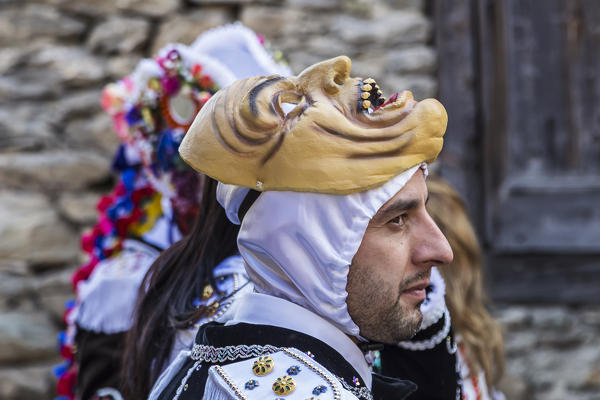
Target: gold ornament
x=327 y=143
x=212 y=309
x=284 y=385
x=207 y=292
x=263 y=366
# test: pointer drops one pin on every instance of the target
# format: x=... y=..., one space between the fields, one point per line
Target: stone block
x=94 y=132
x=513 y=318
x=552 y=318
x=27 y=382
x=90 y=8
x=22 y=24
x=74 y=66
x=392 y=28
x=26 y=337
x=299 y=60
x=411 y=60
x=26 y=126
x=12 y=267
x=79 y=207
x=122 y=65
x=185 y=28
x=514 y=387
x=153 y=8
x=327 y=47
x=30 y=84
x=53 y=290
x=317 y=5
x=54 y=170
x=229 y=2
x=364 y=65
x=76 y=104
x=119 y=35
x=10 y=58
x=415 y=5
x=271 y=22
x=14 y=286
x=592 y=380
x=32 y=231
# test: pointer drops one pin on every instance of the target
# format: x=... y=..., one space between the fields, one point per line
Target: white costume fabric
x=299 y=246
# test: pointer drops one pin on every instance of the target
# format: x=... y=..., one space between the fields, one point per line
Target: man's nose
x=432 y=248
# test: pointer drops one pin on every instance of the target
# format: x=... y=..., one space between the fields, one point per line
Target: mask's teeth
x=370 y=95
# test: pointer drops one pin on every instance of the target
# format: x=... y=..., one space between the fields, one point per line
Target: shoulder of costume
x=287 y=373
x=106 y=300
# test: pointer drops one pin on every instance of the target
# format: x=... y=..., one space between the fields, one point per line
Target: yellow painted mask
x=321 y=131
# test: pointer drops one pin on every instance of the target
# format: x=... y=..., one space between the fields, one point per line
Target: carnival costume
x=322 y=153
x=154 y=202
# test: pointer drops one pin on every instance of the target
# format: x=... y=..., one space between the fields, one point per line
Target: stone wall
x=552 y=352
x=56 y=146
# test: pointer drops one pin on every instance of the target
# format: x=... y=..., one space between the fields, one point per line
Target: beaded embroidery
x=251 y=384
x=293 y=370
x=319 y=389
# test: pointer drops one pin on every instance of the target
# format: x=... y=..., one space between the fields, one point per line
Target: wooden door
x=528 y=139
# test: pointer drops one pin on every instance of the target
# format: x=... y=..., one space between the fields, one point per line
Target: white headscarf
x=299 y=246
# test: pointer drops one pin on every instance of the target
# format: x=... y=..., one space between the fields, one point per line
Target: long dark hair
x=167 y=293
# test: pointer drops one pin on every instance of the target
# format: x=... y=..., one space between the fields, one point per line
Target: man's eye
x=400 y=220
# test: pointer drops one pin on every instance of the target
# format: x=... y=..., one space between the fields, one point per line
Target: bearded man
x=328 y=181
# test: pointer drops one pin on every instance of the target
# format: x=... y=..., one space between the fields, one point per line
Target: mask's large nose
x=329 y=74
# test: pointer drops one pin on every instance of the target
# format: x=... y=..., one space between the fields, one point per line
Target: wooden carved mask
x=322 y=131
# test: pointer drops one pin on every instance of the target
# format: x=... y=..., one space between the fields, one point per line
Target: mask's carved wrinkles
x=324 y=143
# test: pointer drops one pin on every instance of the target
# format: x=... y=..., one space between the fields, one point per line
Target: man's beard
x=386 y=324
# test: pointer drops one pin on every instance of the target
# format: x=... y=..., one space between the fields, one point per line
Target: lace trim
x=433 y=341
x=201 y=352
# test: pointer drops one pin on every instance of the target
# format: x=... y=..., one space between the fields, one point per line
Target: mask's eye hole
x=290 y=104
x=288 y=107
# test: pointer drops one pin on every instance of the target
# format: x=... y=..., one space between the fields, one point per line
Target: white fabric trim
x=434 y=306
x=299 y=246
x=233 y=43
x=107 y=299
x=262 y=309
x=230 y=197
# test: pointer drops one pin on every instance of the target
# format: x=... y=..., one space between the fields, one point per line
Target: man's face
x=391 y=269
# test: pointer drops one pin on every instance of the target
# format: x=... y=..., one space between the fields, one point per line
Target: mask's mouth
x=370 y=97
x=375 y=108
